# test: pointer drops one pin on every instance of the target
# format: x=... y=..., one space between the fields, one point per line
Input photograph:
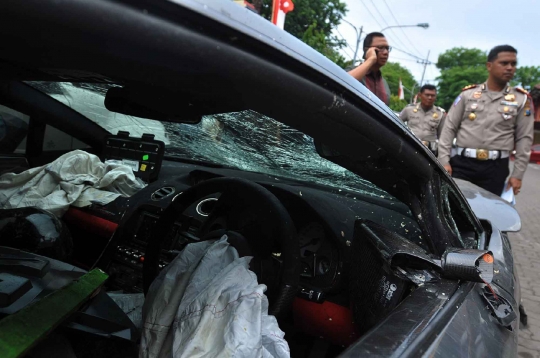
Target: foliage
x=392 y=72
x=397 y=104
x=461 y=57
x=318 y=40
x=527 y=76
x=312 y=21
x=459 y=67
x=452 y=81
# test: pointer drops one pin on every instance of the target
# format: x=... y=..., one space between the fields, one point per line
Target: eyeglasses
x=383 y=48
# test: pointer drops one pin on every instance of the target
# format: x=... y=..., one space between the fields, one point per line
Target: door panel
x=474 y=332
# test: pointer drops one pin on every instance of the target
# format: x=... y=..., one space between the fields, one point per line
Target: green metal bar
x=21 y=331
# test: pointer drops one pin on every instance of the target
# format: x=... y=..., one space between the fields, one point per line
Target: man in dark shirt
x=376 y=52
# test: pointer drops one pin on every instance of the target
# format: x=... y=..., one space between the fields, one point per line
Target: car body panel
x=409 y=323
x=491 y=207
x=446 y=319
x=505 y=273
x=474 y=332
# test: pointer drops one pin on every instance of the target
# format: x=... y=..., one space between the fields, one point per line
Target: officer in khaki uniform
x=489 y=121
x=424 y=119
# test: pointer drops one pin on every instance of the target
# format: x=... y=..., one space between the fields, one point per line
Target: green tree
x=452 y=81
x=461 y=57
x=313 y=21
x=397 y=104
x=392 y=72
x=527 y=76
x=459 y=67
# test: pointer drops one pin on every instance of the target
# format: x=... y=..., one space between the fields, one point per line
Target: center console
x=126 y=265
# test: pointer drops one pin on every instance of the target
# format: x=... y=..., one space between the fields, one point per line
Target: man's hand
x=515 y=183
x=448 y=169
x=360 y=71
x=371 y=55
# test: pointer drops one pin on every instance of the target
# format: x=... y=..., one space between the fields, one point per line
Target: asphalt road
x=526 y=247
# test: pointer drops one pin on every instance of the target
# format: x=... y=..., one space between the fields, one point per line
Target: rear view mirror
x=165 y=105
x=150 y=104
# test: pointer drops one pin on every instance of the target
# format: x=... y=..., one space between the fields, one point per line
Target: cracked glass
x=245 y=140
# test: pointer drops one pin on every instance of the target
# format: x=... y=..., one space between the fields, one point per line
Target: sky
x=455 y=23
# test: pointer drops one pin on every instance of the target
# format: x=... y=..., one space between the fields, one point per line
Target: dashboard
x=323 y=217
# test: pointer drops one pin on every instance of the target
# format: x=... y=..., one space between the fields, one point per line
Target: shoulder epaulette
x=468 y=87
x=410 y=104
x=521 y=90
x=441 y=109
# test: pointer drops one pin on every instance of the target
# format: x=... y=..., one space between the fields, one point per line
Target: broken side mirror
x=467 y=264
x=501 y=309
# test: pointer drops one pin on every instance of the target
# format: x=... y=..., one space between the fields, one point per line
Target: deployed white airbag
x=207 y=303
x=76 y=178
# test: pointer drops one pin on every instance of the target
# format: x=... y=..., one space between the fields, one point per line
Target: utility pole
x=425 y=63
x=412 y=93
x=358 y=36
x=358 y=32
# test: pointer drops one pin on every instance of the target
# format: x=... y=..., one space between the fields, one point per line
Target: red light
x=488 y=258
x=141 y=259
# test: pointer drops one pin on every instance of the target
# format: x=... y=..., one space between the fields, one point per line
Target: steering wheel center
x=269 y=225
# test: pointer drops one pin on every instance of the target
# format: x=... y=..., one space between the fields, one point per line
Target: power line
x=376 y=9
x=343 y=37
x=397 y=23
x=402 y=59
x=349 y=55
x=373 y=16
x=431 y=75
x=410 y=54
x=387 y=25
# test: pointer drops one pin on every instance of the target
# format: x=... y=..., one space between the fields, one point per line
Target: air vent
x=163 y=193
x=204 y=208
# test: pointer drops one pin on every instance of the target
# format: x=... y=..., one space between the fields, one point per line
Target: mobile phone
x=377 y=52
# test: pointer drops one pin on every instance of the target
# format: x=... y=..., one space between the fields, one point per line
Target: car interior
x=266 y=160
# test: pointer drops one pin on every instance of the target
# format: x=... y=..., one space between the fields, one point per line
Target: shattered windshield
x=244 y=140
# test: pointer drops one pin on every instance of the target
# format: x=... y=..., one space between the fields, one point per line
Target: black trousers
x=487 y=174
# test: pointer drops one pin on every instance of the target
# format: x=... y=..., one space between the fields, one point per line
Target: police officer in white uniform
x=424 y=119
x=489 y=121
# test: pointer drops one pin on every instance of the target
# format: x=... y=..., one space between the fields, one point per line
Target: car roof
x=234 y=18
x=255 y=26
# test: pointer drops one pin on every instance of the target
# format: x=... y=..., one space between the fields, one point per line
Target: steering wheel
x=270 y=224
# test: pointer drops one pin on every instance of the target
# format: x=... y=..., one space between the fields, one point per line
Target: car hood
x=490 y=207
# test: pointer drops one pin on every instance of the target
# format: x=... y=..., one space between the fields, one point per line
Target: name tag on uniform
x=508 y=103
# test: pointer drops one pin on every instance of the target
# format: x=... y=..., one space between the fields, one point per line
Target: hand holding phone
x=372 y=53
